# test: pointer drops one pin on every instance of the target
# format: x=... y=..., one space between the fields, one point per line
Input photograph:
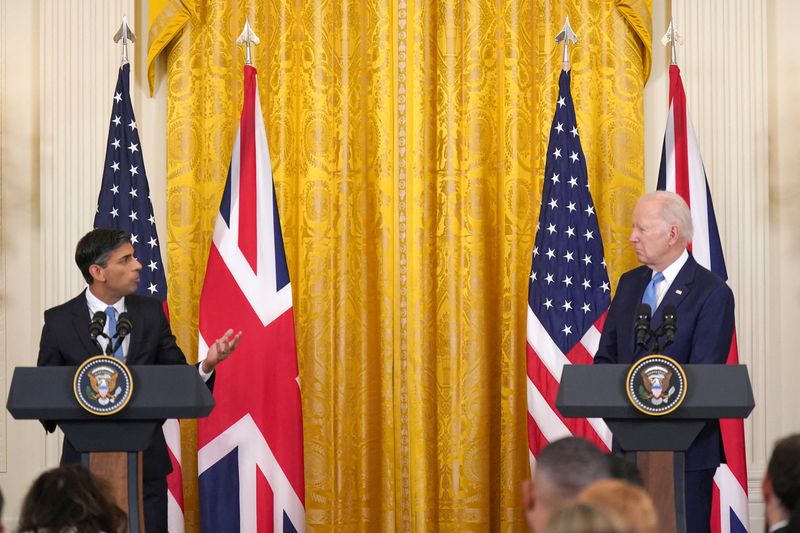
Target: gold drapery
x=407 y=140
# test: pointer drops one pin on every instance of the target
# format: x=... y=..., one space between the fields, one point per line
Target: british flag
x=250 y=450
x=569 y=291
x=124 y=203
x=682 y=172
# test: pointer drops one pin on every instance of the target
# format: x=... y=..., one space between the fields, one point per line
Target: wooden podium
x=660 y=442
x=111 y=445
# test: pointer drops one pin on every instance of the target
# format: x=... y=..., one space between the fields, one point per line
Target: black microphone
x=642 y=325
x=124 y=327
x=97 y=325
x=669 y=324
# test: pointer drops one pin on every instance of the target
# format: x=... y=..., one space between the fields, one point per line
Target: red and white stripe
x=545 y=363
x=172 y=434
x=683 y=172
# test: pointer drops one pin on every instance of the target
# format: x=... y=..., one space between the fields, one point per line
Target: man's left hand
x=220 y=350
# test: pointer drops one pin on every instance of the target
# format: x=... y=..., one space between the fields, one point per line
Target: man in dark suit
x=781 y=486
x=105 y=258
x=662 y=230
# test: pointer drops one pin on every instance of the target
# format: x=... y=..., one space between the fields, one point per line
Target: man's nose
x=137 y=265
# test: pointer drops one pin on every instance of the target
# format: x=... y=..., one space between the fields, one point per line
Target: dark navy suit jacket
x=65 y=342
x=704 y=305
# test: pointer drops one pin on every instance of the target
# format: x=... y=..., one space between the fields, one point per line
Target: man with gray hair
x=669 y=276
x=563 y=469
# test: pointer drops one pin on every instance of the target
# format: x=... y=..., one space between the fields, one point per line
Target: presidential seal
x=103 y=385
x=656 y=385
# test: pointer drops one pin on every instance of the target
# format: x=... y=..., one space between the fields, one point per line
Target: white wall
x=741 y=70
x=58 y=68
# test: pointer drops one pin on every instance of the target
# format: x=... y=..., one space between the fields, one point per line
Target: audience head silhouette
x=630 y=504
x=563 y=468
x=582 y=517
x=781 y=485
x=69 y=499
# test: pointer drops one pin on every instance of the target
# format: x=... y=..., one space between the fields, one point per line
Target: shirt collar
x=777 y=525
x=96 y=304
x=671 y=272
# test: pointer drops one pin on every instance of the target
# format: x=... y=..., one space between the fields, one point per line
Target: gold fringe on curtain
x=407 y=140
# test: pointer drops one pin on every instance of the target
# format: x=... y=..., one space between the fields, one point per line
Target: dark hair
x=624 y=469
x=572 y=464
x=95 y=247
x=784 y=472
x=70 y=497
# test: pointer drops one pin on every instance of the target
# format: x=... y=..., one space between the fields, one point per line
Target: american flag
x=569 y=290
x=124 y=204
x=682 y=172
x=250 y=457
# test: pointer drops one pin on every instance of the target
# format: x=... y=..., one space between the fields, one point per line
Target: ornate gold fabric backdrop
x=407 y=140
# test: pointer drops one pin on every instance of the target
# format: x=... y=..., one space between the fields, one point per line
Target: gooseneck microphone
x=642 y=325
x=669 y=324
x=97 y=324
x=124 y=327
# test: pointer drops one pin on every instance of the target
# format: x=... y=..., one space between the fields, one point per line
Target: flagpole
x=246 y=37
x=672 y=38
x=566 y=36
x=124 y=34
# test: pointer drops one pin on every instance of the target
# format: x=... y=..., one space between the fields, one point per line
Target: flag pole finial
x=566 y=36
x=247 y=37
x=124 y=34
x=672 y=38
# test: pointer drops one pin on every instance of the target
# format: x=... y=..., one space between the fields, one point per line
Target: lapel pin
x=678 y=292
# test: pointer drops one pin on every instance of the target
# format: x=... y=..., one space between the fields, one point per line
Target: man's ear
x=673 y=234
x=528 y=497
x=766 y=490
x=97 y=272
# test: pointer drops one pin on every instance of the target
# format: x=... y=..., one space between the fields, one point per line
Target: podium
x=159 y=392
x=713 y=392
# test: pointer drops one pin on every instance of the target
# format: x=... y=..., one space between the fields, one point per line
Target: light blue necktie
x=651 y=293
x=112 y=329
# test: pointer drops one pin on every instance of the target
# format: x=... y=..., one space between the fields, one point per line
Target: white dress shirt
x=96 y=304
x=670 y=273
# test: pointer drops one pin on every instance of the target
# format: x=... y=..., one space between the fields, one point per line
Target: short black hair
x=783 y=471
x=572 y=464
x=95 y=247
x=625 y=469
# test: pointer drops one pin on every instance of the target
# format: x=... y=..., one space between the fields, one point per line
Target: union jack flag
x=124 y=204
x=569 y=290
x=682 y=172
x=250 y=458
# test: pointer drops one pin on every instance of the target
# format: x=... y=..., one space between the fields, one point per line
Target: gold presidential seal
x=103 y=385
x=656 y=385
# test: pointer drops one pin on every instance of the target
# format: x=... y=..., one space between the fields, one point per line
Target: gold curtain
x=407 y=140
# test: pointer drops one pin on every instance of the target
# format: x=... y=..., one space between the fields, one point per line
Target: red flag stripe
x=248 y=219
x=548 y=387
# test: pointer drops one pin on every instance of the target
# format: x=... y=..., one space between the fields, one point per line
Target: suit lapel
x=134 y=310
x=79 y=308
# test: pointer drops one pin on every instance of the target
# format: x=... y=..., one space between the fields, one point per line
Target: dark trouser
x=698 y=485
x=154 y=494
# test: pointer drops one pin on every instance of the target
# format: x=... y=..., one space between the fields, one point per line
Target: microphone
x=669 y=324
x=97 y=324
x=124 y=327
x=642 y=325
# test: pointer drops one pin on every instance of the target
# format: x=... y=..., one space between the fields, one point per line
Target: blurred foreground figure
x=563 y=469
x=70 y=498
